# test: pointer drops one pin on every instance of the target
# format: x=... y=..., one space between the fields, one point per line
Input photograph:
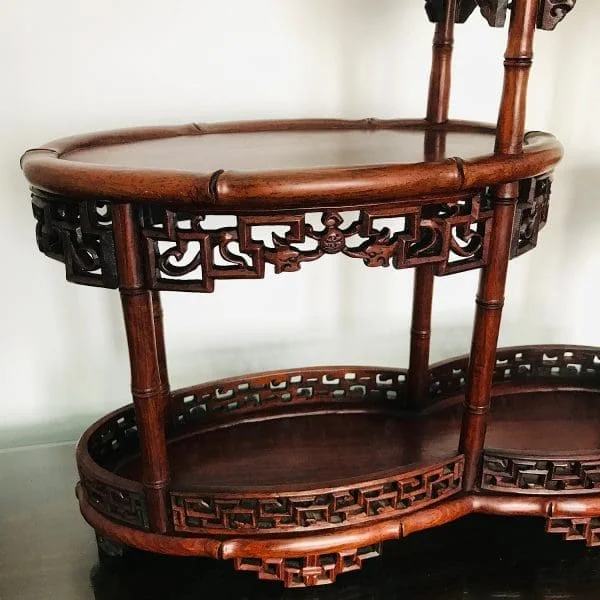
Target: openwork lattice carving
x=127 y=506
x=527 y=475
x=309 y=570
x=114 y=439
x=258 y=392
x=186 y=253
x=584 y=529
x=80 y=235
x=531 y=215
x=561 y=365
x=197 y=513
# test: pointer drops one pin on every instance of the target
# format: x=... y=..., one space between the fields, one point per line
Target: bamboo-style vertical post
x=159 y=334
x=142 y=314
x=437 y=112
x=490 y=296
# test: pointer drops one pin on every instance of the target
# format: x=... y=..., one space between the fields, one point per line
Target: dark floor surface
x=48 y=552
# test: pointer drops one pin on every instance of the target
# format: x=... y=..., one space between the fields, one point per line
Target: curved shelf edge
x=224 y=190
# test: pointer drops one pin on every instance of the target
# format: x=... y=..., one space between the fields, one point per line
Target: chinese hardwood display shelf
x=301 y=475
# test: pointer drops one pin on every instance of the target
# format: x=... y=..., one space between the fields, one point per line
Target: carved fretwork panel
x=531 y=215
x=436 y=10
x=585 y=529
x=535 y=475
x=186 y=253
x=308 y=571
x=345 y=385
x=550 y=12
x=200 y=513
x=116 y=503
x=79 y=234
x=563 y=365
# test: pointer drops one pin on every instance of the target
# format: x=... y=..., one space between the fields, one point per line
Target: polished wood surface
x=274 y=165
x=48 y=552
x=285 y=451
x=300 y=476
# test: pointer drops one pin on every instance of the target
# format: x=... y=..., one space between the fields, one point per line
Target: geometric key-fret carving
x=586 y=529
x=502 y=473
x=311 y=570
x=195 y=512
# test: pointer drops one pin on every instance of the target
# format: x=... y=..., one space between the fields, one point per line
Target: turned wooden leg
x=490 y=300
x=141 y=311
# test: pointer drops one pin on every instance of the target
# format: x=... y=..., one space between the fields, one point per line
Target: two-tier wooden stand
x=300 y=475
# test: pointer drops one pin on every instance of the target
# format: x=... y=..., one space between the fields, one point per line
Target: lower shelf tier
x=300 y=475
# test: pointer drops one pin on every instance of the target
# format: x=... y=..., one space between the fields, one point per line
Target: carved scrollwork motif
x=311 y=570
x=404 y=493
x=536 y=475
x=80 y=235
x=531 y=215
x=585 y=529
x=552 y=12
x=187 y=253
x=257 y=392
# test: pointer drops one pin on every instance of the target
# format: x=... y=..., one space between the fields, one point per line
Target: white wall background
x=69 y=67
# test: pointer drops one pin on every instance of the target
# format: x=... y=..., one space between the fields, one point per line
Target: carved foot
x=110 y=551
x=576 y=529
x=309 y=570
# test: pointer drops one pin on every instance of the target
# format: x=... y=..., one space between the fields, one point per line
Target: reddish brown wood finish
x=150 y=394
x=438 y=105
x=299 y=475
x=490 y=297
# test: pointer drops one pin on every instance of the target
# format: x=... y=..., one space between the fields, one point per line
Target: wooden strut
x=435 y=149
x=149 y=384
x=490 y=296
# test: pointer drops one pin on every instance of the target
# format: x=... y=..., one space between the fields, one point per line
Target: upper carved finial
x=494 y=11
x=551 y=12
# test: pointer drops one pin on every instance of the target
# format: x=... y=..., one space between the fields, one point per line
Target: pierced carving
x=531 y=214
x=79 y=234
x=119 y=504
x=586 y=529
x=404 y=493
x=186 y=253
x=561 y=364
x=534 y=475
x=256 y=392
x=436 y=10
x=552 y=12
x=311 y=570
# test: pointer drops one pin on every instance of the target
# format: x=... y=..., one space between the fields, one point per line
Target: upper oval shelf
x=277 y=165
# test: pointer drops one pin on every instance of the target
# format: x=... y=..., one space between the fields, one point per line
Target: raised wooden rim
x=269 y=191
x=299 y=545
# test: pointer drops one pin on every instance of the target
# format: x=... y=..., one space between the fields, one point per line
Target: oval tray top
x=283 y=165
